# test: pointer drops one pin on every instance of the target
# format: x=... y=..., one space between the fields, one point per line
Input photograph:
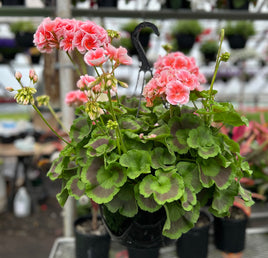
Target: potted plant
x=237 y=33
x=241 y=4
x=184 y=33
x=209 y=50
x=152 y=163
x=8 y=49
x=13 y=2
x=176 y=4
x=197 y=237
x=23 y=31
x=230 y=231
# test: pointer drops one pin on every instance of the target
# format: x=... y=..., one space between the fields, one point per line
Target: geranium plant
x=129 y=154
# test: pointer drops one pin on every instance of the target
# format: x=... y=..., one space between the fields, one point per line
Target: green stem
x=216 y=65
x=49 y=126
x=74 y=64
x=118 y=132
x=56 y=117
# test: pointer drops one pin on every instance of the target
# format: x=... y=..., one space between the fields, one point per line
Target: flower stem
x=118 y=132
x=74 y=64
x=57 y=118
x=216 y=65
x=46 y=122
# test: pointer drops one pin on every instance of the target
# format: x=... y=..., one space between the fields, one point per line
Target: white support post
x=66 y=85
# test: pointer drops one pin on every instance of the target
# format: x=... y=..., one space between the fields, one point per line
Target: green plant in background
x=243 y=28
x=209 y=46
x=192 y=27
x=22 y=26
x=184 y=33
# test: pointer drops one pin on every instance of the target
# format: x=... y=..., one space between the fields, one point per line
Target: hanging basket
x=143 y=231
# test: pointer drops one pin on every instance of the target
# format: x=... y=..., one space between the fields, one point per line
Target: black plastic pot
x=177 y=4
x=230 y=234
x=185 y=42
x=24 y=39
x=107 y=3
x=236 y=41
x=88 y=245
x=13 y=2
x=143 y=253
x=233 y=5
x=194 y=243
x=143 y=231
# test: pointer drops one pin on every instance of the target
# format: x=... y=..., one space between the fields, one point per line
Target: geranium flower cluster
x=175 y=76
x=68 y=34
x=94 y=43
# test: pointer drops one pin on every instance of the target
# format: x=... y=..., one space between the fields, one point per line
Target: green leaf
x=137 y=162
x=102 y=184
x=128 y=122
x=161 y=158
x=210 y=167
x=232 y=145
x=80 y=129
x=226 y=114
x=62 y=196
x=178 y=220
x=147 y=204
x=246 y=196
x=100 y=145
x=165 y=186
x=124 y=202
x=76 y=187
x=202 y=139
x=188 y=199
x=223 y=199
x=190 y=174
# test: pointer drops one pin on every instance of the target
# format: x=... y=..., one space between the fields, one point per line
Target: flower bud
x=10 y=89
x=18 y=76
x=31 y=74
x=225 y=56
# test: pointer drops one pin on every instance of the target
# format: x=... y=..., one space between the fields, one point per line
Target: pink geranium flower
x=175 y=76
x=76 y=98
x=95 y=57
x=119 y=55
x=177 y=93
x=84 y=81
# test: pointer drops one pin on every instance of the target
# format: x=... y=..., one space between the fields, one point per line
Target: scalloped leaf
x=206 y=145
x=178 y=220
x=226 y=114
x=165 y=186
x=188 y=199
x=100 y=145
x=102 y=184
x=80 y=129
x=137 y=162
x=161 y=157
x=62 y=196
x=124 y=202
x=190 y=174
x=128 y=122
x=246 y=196
x=147 y=204
x=223 y=199
x=76 y=187
x=210 y=167
x=224 y=178
x=233 y=146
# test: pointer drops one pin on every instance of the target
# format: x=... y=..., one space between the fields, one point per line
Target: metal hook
x=145 y=65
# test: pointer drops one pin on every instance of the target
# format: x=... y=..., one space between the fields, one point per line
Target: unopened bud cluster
x=42 y=100
x=112 y=124
x=25 y=96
